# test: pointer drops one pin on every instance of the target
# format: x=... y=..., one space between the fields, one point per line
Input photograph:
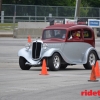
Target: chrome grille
x=36 y=49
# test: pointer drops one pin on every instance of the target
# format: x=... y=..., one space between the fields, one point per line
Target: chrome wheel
x=56 y=61
x=92 y=59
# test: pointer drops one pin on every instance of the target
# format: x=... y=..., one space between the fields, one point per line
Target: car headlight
x=45 y=46
x=27 y=46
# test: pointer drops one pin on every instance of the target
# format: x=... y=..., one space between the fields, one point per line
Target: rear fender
x=85 y=58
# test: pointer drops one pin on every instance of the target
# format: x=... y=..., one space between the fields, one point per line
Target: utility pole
x=0 y=6
x=77 y=9
x=0 y=9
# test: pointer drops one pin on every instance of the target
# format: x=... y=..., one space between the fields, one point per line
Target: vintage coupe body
x=60 y=47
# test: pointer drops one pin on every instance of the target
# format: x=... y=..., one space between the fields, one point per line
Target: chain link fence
x=35 y=13
x=42 y=13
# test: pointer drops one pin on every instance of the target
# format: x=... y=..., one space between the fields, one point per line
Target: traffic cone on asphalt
x=29 y=39
x=97 y=70
x=93 y=75
x=44 y=68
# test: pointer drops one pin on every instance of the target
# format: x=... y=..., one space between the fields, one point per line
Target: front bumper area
x=33 y=64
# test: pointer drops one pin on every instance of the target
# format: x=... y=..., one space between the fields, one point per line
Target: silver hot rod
x=60 y=46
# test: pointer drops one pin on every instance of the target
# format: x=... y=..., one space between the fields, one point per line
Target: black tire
x=54 y=66
x=22 y=62
x=92 y=58
x=63 y=66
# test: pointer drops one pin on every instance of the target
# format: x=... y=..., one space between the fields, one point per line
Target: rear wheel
x=22 y=62
x=54 y=62
x=92 y=58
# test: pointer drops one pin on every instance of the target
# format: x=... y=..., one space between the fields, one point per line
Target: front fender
x=28 y=56
x=24 y=53
x=50 y=52
x=85 y=58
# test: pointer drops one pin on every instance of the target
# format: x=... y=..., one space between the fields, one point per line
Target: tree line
x=84 y=3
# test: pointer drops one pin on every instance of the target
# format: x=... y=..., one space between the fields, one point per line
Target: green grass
x=8 y=26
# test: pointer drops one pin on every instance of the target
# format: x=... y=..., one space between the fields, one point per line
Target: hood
x=53 y=40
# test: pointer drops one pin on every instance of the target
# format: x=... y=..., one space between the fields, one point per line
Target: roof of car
x=61 y=25
x=65 y=26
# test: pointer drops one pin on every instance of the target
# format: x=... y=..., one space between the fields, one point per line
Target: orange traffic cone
x=44 y=68
x=29 y=39
x=93 y=76
x=97 y=70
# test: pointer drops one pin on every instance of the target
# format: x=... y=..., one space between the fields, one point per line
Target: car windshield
x=54 y=33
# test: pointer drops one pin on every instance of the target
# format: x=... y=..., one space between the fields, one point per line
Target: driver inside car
x=75 y=35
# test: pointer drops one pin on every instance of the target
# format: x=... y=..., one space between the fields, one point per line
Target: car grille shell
x=36 y=50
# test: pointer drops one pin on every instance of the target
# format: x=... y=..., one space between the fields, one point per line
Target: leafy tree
x=42 y=2
x=93 y=3
x=84 y=3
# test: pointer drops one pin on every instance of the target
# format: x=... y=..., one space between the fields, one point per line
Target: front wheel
x=54 y=62
x=92 y=58
x=22 y=62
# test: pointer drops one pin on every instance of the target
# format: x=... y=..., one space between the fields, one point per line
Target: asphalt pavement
x=16 y=84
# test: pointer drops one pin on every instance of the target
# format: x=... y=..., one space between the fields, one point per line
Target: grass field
x=7 y=26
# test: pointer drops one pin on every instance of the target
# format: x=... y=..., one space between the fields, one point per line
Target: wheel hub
x=92 y=59
x=56 y=62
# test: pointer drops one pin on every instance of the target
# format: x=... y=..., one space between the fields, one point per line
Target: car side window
x=74 y=34
x=87 y=33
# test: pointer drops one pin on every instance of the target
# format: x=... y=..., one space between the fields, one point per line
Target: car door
x=74 y=48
